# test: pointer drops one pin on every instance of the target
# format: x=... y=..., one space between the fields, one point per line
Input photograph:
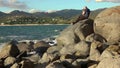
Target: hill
x=62 y=16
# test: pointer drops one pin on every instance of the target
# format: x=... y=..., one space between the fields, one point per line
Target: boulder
x=95 y=37
x=68 y=56
x=16 y=65
x=94 y=52
x=67 y=63
x=111 y=51
x=74 y=33
x=39 y=65
x=82 y=49
x=41 y=47
x=54 y=50
x=9 y=61
x=34 y=58
x=55 y=64
x=9 y=50
x=24 y=46
x=1 y=64
x=26 y=64
x=109 y=63
x=39 y=44
x=106 y=54
x=80 y=63
x=22 y=54
x=93 y=66
x=67 y=50
x=47 y=58
x=13 y=42
x=107 y=24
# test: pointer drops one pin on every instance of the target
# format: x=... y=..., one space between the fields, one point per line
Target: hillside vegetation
x=59 y=17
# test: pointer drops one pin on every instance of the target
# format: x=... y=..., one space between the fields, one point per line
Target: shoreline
x=32 y=24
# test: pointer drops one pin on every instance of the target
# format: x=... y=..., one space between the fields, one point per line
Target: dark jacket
x=87 y=13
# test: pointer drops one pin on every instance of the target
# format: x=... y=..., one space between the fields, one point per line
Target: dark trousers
x=81 y=17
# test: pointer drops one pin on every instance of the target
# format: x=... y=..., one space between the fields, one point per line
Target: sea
x=32 y=32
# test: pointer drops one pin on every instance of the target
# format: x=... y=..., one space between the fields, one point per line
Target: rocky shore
x=86 y=44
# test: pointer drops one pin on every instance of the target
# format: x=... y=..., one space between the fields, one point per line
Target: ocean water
x=36 y=32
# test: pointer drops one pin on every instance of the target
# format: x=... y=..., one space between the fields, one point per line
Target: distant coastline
x=31 y=24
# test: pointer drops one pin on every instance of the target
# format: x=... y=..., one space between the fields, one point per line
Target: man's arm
x=83 y=12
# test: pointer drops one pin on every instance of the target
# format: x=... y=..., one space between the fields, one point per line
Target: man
x=85 y=14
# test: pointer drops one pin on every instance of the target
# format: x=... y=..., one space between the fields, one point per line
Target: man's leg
x=81 y=17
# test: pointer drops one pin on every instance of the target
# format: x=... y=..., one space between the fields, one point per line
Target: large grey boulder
x=80 y=49
x=74 y=33
x=107 y=24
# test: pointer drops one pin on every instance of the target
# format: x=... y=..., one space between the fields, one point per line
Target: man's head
x=85 y=7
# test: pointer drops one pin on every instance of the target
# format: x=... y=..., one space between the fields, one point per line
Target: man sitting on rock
x=85 y=14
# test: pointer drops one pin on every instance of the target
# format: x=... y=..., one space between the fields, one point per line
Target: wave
x=14 y=36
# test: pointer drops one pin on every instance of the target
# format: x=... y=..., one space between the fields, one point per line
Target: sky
x=54 y=5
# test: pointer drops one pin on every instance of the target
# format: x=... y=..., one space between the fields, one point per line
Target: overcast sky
x=54 y=5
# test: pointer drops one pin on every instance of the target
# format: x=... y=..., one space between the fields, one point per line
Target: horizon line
x=46 y=11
